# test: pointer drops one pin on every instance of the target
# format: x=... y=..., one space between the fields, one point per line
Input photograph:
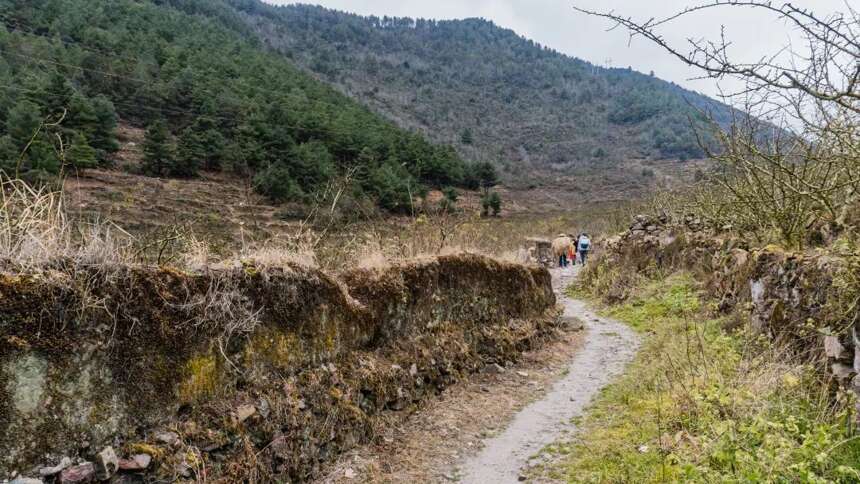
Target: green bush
x=392 y=186
x=491 y=202
x=277 y=183
x=480 y=175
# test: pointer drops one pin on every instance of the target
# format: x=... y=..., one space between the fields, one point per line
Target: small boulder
x=833 y=348
x=138 y=462
x=739 y=257
x=26 y=480
x=182 y=469
x=571 y=323
x=167 y=438
x=494 y=369
x=842 y=372
x=53 y=471
x=243 y=412
x=107 y=463
x=855 y=385
x=263 y=408
x=665 y=240
x=78 y=474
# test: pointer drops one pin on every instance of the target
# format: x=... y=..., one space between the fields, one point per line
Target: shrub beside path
x=608 y=347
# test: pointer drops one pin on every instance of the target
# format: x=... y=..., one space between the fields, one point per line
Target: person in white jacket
x=583 y=246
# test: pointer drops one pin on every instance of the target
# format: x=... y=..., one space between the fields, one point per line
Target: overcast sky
x=555 y=24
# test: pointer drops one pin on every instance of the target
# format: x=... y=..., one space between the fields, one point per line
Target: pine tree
x=201 y=144
x=158 y=154
x=313 y=164
x=487 y=174
x=481 y=175
x=8 y=154
x=103 y=135
x=189 y=152
x=80 y=154
x=42 y=158
x=276 y=183
x=448 y=203
x=81 y=115
x=24 y=121
x=495 y=203
x=466 y=137
x=392 y=186
x=57 y=94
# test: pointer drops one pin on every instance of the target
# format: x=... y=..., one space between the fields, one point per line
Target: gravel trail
x=609 y=346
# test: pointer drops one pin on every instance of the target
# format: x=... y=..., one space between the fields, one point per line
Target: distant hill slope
x=497 y=96
x=214 y=97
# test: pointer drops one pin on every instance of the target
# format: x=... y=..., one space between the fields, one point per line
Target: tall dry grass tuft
x=280 y=256
x=34 y=227
x=35 y=232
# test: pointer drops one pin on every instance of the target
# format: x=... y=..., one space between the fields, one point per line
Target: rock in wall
x=266 y=371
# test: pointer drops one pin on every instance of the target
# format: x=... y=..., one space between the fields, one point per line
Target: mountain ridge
x=494 y=94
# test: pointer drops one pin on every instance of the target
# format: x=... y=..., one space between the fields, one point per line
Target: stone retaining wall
x=806 y=300
x=255 y=372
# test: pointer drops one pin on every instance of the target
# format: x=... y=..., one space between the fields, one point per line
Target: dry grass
x=223 y=308
x=38 y=229
x=35 y=232
x=270 y=256
x=374 y=244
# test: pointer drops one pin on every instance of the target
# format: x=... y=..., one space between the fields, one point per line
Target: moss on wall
x=108 y=354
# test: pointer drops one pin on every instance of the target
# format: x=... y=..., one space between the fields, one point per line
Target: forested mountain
x=495 y=95
x=210 y=94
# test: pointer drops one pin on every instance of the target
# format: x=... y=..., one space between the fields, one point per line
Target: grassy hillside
x=211 y=95
x=495 y=95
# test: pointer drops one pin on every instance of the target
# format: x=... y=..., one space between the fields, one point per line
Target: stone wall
x=806 y=300
x=289 y=366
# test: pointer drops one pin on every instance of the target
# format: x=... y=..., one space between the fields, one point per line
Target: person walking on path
x=583 y=244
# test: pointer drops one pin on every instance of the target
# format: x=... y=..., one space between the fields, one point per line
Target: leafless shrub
x=223 y=308
x=800 y=169
x=197 y=256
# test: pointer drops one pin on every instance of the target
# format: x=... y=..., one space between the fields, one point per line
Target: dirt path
x=484 y=428
x=608 y=347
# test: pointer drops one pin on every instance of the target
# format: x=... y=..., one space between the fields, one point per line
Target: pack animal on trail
x=561 y=246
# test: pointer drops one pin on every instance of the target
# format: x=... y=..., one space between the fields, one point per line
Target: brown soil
x=216 y=207
x=432 y=441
